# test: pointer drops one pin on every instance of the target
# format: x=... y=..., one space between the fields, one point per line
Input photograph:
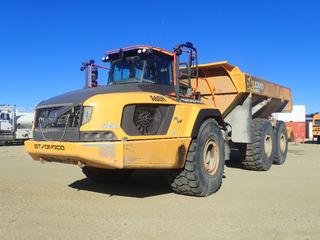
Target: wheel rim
x=283 y=143
x=268 y=145
x=211 y=156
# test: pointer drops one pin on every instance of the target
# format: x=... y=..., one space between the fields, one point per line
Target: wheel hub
x=211 y=156
x=282 y=143
x=268 y=145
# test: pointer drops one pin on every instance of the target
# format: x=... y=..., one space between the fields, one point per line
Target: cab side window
x=164 y=70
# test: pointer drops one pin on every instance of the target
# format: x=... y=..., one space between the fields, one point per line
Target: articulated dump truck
x=162 y=110
x=316 y=127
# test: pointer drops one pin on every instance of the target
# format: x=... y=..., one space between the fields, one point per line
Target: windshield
x=132 y=69
x=150 y=68
x=317 y=122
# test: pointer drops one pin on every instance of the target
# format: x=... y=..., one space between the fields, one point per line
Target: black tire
x=101 y=175
x=259 y=153
x=198 y=178
x=281 y=146
x=318 y=140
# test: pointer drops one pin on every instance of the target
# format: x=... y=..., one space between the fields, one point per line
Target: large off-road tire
x=259 y=153
x=203 y=170
x=101 y=175
x=281 y=143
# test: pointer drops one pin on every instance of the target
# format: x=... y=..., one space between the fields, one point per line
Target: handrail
x=210 y=88
x=95 y=84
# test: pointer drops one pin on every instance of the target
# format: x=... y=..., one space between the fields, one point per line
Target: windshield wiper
x=147 y=81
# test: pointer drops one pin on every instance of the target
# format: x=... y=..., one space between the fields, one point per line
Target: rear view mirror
x=94 y=76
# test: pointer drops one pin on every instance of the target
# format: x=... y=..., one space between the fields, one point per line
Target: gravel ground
x=56 y=201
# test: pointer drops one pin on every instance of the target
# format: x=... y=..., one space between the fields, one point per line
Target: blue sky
x=42 y=43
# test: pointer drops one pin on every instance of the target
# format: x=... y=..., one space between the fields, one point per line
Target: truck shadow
x=235 y=160
x=11 y=144
x=311 y=142
x=142 y=184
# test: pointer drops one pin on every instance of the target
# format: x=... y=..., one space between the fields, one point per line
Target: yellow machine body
x=166 y=150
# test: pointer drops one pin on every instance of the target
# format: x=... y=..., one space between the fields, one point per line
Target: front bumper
x=158 y=153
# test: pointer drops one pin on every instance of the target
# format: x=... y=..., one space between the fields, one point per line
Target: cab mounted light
x=105 y=59
x=86 y=116
x=143 y=50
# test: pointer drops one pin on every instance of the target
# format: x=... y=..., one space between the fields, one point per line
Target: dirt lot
x=55 y=201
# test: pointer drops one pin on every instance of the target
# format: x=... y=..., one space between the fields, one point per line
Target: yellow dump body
x=316 y=125
x=230 y=86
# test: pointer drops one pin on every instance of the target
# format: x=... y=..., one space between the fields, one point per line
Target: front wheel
x=203 y=170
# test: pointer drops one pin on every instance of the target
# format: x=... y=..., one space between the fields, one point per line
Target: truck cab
x=134 y=114
x=5 y=121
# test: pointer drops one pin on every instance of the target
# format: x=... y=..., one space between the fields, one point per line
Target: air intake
x=147 y=119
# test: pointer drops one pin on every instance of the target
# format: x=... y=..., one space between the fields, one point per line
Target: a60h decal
x=158 y=98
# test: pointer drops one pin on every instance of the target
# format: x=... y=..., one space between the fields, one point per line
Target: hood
x=77 y=97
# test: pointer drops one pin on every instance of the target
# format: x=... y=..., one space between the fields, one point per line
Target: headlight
x=86 y=116
x=98 y=136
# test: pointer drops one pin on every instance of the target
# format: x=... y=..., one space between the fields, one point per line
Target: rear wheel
x=318 y=140
x=259 y=153
x=281 y=146
x=203 y=170
x=101 y=175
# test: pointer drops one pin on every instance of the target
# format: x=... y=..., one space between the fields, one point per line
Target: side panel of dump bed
x=277 y=98
x=231 y=86
x=241 y=97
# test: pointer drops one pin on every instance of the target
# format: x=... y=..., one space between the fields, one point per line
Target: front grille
x=58 y=123
x=58 y=117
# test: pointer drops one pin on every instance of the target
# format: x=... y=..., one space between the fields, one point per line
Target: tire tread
x=253 y=159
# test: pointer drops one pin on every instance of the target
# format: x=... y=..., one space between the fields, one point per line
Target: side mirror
x=94 y=76
x=84 y=67
x=189 y=45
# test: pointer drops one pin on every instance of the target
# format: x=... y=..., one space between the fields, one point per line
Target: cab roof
x=137 y=47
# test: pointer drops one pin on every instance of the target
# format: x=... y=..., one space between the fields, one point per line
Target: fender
x=203 y=115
